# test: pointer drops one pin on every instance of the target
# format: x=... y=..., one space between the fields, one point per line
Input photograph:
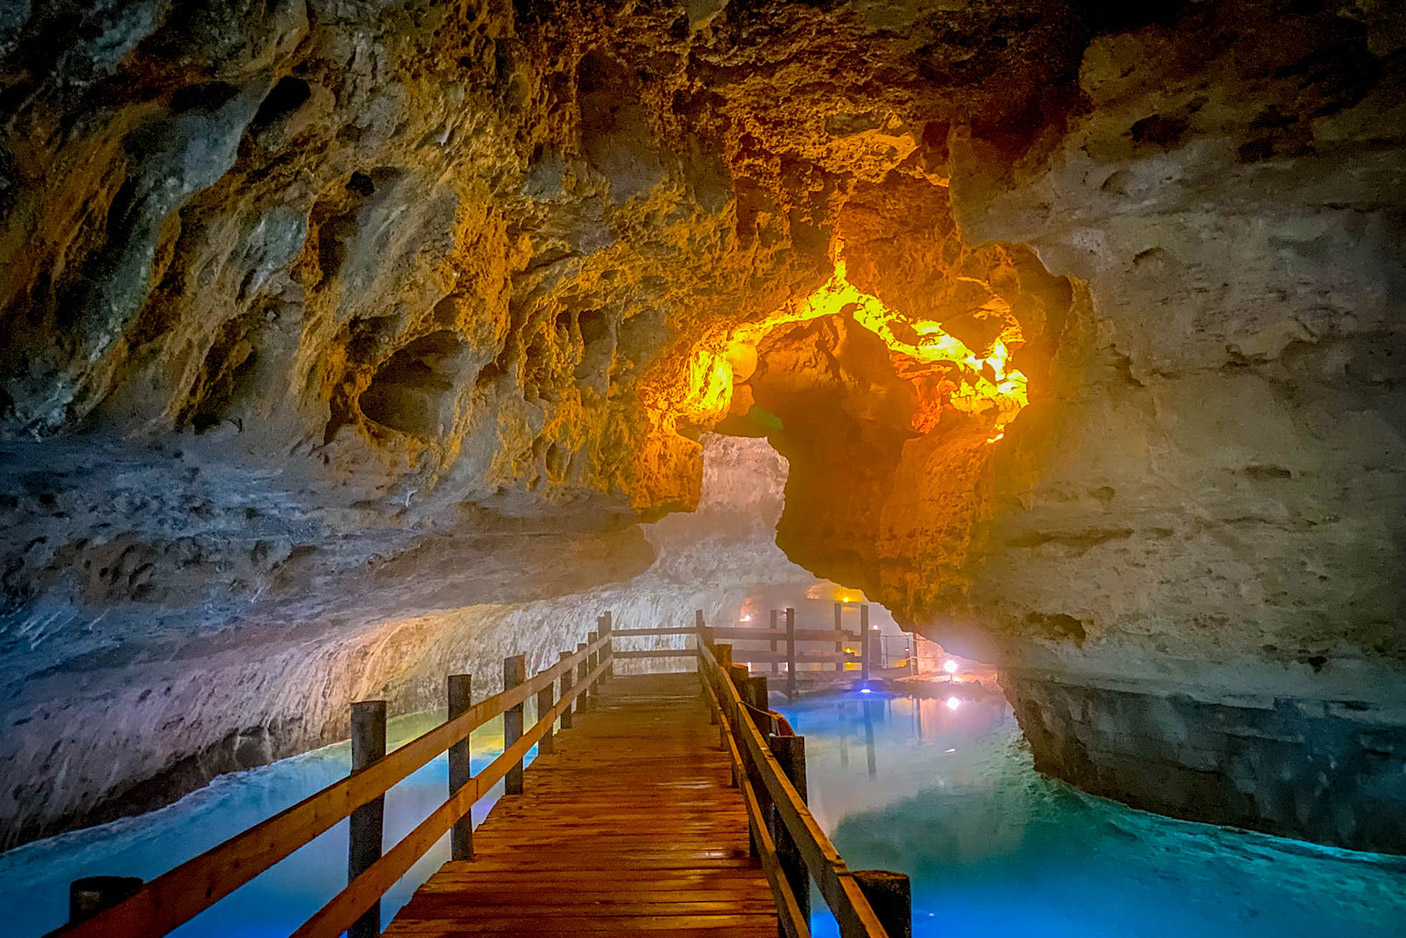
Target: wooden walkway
x=629 y=827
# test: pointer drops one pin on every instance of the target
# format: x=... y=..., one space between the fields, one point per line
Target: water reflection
x=948 y=794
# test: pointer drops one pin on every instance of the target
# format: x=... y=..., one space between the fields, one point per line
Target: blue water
x=34 y=878
x=949 y=795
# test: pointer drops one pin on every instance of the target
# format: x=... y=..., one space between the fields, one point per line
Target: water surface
x=945 y=790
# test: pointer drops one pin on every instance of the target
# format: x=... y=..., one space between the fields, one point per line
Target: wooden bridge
x=658 y=804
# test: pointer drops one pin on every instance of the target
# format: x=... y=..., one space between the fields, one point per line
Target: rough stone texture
x=327 y=318
x=169 y=726
x=1329 y=768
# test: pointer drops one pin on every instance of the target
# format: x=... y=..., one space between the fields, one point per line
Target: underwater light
x=953 y=703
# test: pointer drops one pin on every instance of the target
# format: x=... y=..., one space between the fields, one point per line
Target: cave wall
x=328 y=321
x=243 y=697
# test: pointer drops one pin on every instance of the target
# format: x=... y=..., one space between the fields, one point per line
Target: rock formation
x=336 y=328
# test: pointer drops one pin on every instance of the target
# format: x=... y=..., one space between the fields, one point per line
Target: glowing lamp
x=865 y=690
x=746 y=618
x=953 y=703
x=949 y=666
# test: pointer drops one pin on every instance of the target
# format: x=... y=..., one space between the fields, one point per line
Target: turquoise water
x=949 y=795
x=34 y=878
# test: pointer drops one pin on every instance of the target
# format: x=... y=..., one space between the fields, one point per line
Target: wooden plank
x=629 y=827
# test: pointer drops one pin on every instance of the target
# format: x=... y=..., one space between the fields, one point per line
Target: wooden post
x=93 y=894
x=739 y=675
x=547 y=743
x=702 y=636
x=723 y=654
x=890 y=895
x=790 y=752
x=865 y=651
x=756 y=694
x=790 y=653
x=839 y=627
x=566 y=692
x=583 y=668
x=775 y=665
x=514 y=673
x=461 y=835
x=368 y=746
x=592 y=662
x=606 y=625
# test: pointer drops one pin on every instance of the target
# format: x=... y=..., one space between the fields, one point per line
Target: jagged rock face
x=239 y=698
x=326 y=320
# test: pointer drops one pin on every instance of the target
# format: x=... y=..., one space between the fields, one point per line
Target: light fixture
x=865 y=690
x=953 y=703
x=949 y=666
x=746 y=618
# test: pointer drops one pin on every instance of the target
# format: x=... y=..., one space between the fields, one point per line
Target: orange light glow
x=988 y=384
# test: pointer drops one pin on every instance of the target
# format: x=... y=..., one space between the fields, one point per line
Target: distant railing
x=784 y=647
x=180 y=894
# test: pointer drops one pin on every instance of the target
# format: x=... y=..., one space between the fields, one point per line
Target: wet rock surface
x=338 y=335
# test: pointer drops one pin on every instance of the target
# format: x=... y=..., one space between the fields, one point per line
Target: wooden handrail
x=344 y=908
x=646 y=633
x=800 y=657
x=183 y=892
x=776 y=635
x=837 y=884
x=788 y=911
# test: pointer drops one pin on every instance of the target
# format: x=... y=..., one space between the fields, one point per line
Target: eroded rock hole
x=413 y=391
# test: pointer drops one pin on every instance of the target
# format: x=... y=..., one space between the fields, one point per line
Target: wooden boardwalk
x=629 y=827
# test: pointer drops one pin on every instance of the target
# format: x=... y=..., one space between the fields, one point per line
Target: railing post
x=790 y=752
x=774 y=628
x=722 y=653
x=582 y=669
x=607 y=626
x=755 y=692
x=547 y=744
x=565 y=693
x=865 y=642
x=461 y=835
x=592 y=662
x=790 y=653
x=514 y=673
x=839 y=642
x=92 y=894
x=368 y=746
x=740 y=676
x=890 y=895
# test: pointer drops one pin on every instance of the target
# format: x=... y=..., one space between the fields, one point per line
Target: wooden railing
x=182 y=893
x=783 y=647
x=792 y=846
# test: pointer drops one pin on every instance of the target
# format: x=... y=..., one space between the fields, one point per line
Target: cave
x=348 y=346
